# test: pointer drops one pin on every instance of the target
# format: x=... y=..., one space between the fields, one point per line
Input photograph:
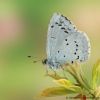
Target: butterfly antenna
x=34 y=61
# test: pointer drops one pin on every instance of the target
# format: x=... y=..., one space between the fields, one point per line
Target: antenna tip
x=29 y=56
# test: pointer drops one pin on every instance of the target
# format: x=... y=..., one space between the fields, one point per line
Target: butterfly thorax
x=51 y=63
x=44 y=61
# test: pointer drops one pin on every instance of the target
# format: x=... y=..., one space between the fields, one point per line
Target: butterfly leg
x=54 y=71
x=50 y=72
x=47 y=72
x=63 y=71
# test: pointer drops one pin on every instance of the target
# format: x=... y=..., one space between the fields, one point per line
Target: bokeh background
x=23 y=32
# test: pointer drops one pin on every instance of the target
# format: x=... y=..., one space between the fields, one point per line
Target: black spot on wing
x=62 y=28
x=67 y=44
x=74 y=27
x=65 y=39
x=56 y=22
x=74 y=53
x=58 y=51
x=76 y=45
x=59 y=25
x=52 y=26
x=66 y=31
x=76 y=49
x=66 y=18
x=75 y=41
x=64 y=56
x=77 y=57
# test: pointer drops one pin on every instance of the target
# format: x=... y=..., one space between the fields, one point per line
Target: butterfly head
x=44 y=61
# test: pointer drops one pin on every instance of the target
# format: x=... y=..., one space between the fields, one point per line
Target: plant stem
x=77 y=74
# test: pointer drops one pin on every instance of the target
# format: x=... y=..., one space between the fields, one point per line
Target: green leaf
x=95 y=73
x=56 y=91
x=76 y=71
x=68 y=85
x=64 y=82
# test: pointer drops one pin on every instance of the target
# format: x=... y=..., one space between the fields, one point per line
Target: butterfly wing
x=75 y=47
x=64 y=43
x=59 y=28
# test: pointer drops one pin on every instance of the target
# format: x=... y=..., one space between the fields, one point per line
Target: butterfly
x=65 y=43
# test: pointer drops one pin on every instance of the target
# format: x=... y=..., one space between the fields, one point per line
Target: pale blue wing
x=75 y=47
x=59 y=28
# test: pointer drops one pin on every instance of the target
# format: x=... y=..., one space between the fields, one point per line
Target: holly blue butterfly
x=65 y=44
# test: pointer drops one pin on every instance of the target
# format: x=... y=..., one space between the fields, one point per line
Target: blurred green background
x=23 y=32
